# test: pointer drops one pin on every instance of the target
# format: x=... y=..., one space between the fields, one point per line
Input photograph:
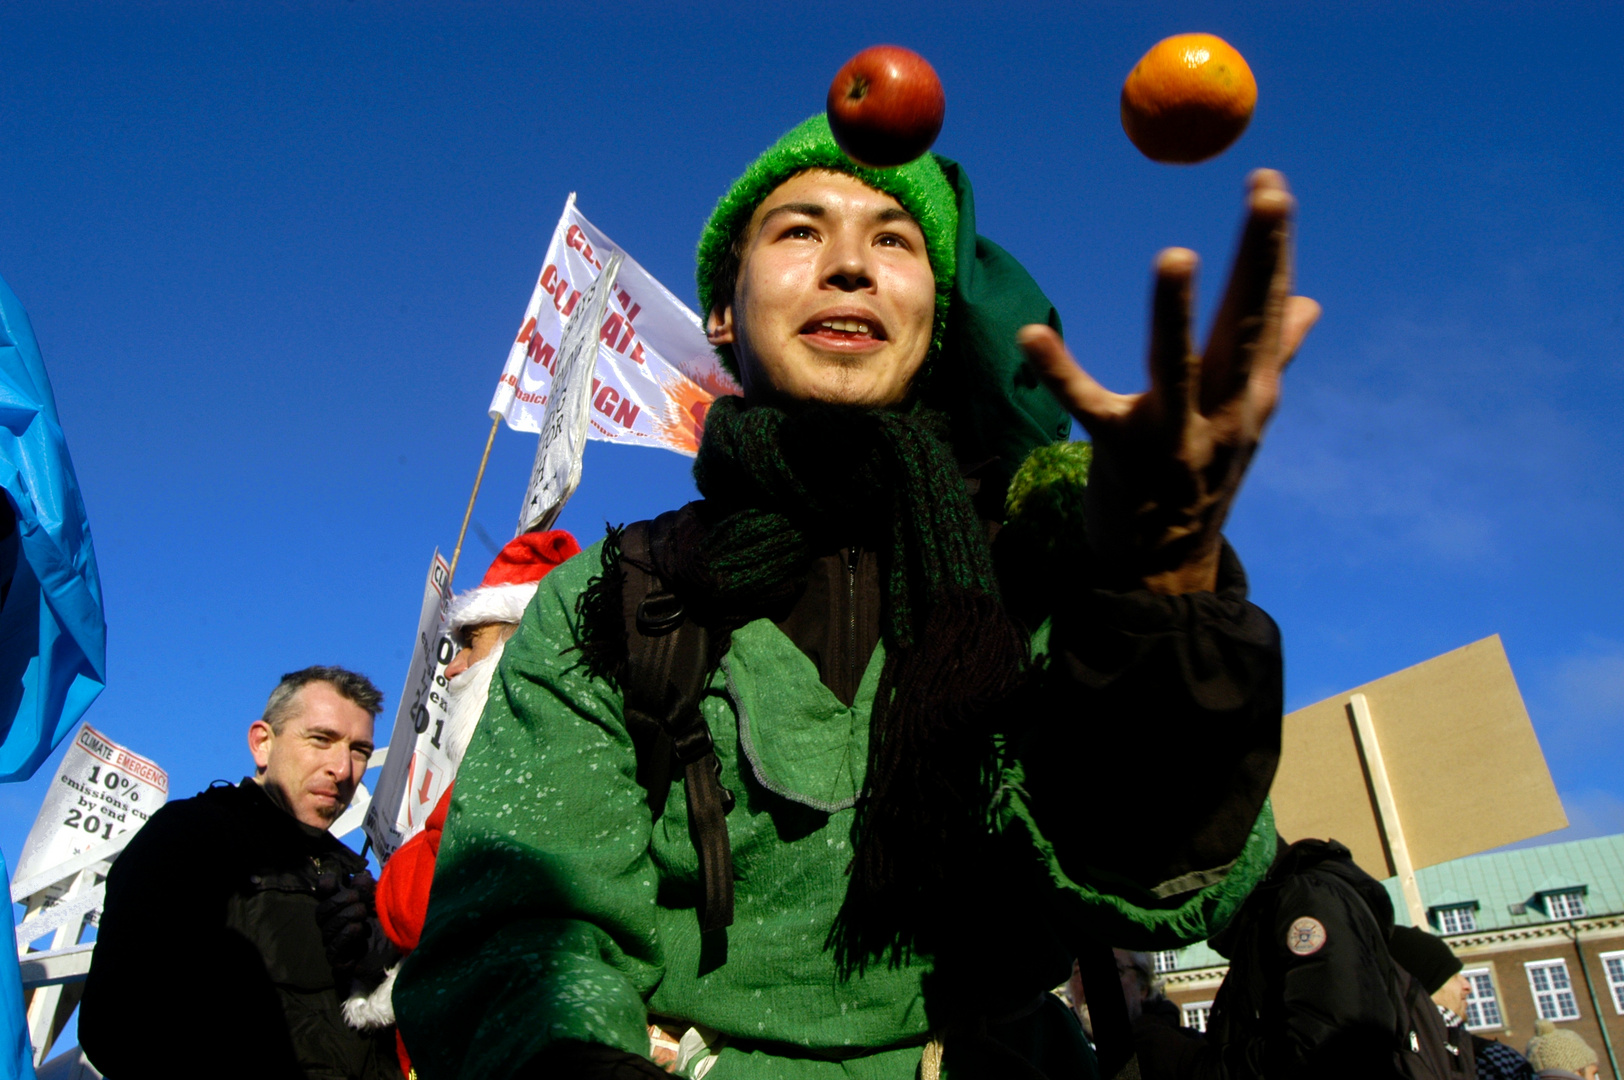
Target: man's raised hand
x=1168 y=462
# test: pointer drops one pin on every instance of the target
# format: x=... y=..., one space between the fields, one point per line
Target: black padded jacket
x=208 y=958
x=1311 y=990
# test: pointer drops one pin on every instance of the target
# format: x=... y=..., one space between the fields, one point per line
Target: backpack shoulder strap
x=666 y=673
x=641 y=686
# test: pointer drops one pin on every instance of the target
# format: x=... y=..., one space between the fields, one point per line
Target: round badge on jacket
x=1306 y=936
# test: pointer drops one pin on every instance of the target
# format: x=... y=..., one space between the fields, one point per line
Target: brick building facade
x=1540 y=932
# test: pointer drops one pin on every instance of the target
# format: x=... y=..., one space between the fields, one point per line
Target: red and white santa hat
x=512 y=579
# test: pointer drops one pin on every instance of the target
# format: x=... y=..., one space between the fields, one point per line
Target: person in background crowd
x=1141 y=989
x=919 y=818
x=227 y=911
x=1311 y=990
x=1142 y=997
x=481 y=621
x=1559 y=1054
x=1137 y=975
x=1434 y=964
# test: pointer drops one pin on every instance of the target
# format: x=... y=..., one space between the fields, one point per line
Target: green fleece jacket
x=562 y=910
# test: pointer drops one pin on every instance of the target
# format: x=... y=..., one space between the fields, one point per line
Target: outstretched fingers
x=1248 y=325
x=1073 y=387
x=1175 y=369
x=1300 y=316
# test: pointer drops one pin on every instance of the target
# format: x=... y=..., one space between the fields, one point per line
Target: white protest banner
x=100 y=791
x=557 y=469
x=656 y=374
x=396 y=811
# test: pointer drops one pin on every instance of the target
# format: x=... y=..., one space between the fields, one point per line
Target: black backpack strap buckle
x=659 y=613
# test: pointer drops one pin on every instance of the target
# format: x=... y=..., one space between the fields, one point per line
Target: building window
x=1196 y=1015
x=1456 y=920
x=1482 y=1006
x=1568 y=904
x=1165 y=961
x=1613 y=963
x=1553 y=990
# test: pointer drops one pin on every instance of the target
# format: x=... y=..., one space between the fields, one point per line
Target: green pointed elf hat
x=976 y=374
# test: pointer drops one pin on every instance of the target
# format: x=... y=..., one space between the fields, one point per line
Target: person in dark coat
x=226 y=913
x=1434 y=963
x=1311 y=989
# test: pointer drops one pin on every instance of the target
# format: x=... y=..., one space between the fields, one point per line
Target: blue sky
x=274 y=255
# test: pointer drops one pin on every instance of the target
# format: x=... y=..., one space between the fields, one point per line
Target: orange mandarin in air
x=1188 y=99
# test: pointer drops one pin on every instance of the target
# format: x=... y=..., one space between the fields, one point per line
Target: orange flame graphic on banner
x=684 y=422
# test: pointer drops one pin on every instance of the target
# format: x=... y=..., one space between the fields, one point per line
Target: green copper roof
x=1499 y=880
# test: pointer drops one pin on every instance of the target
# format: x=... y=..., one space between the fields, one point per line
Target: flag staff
x=468 y=514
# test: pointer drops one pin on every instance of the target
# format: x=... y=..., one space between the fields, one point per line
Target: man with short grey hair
x=312 y=770
x=221 y=947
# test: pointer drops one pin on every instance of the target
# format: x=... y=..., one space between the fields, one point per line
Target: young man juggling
x=937 y=634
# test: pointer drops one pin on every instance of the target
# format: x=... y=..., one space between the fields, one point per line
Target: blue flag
x=53 y=636
x=16 y=1052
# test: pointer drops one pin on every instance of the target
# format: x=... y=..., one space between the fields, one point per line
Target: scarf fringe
x=927 y=803
x=600 y=616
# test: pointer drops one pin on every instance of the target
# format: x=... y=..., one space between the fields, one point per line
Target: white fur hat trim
x=491 y=604
x=367 y=1011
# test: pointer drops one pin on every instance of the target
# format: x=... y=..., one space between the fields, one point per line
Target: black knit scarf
x=785 y=485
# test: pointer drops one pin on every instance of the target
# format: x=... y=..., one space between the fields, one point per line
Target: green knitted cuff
x=919 y=186
x=1143 y=921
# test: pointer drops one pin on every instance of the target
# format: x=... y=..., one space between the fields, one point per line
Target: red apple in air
x=886 y=106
